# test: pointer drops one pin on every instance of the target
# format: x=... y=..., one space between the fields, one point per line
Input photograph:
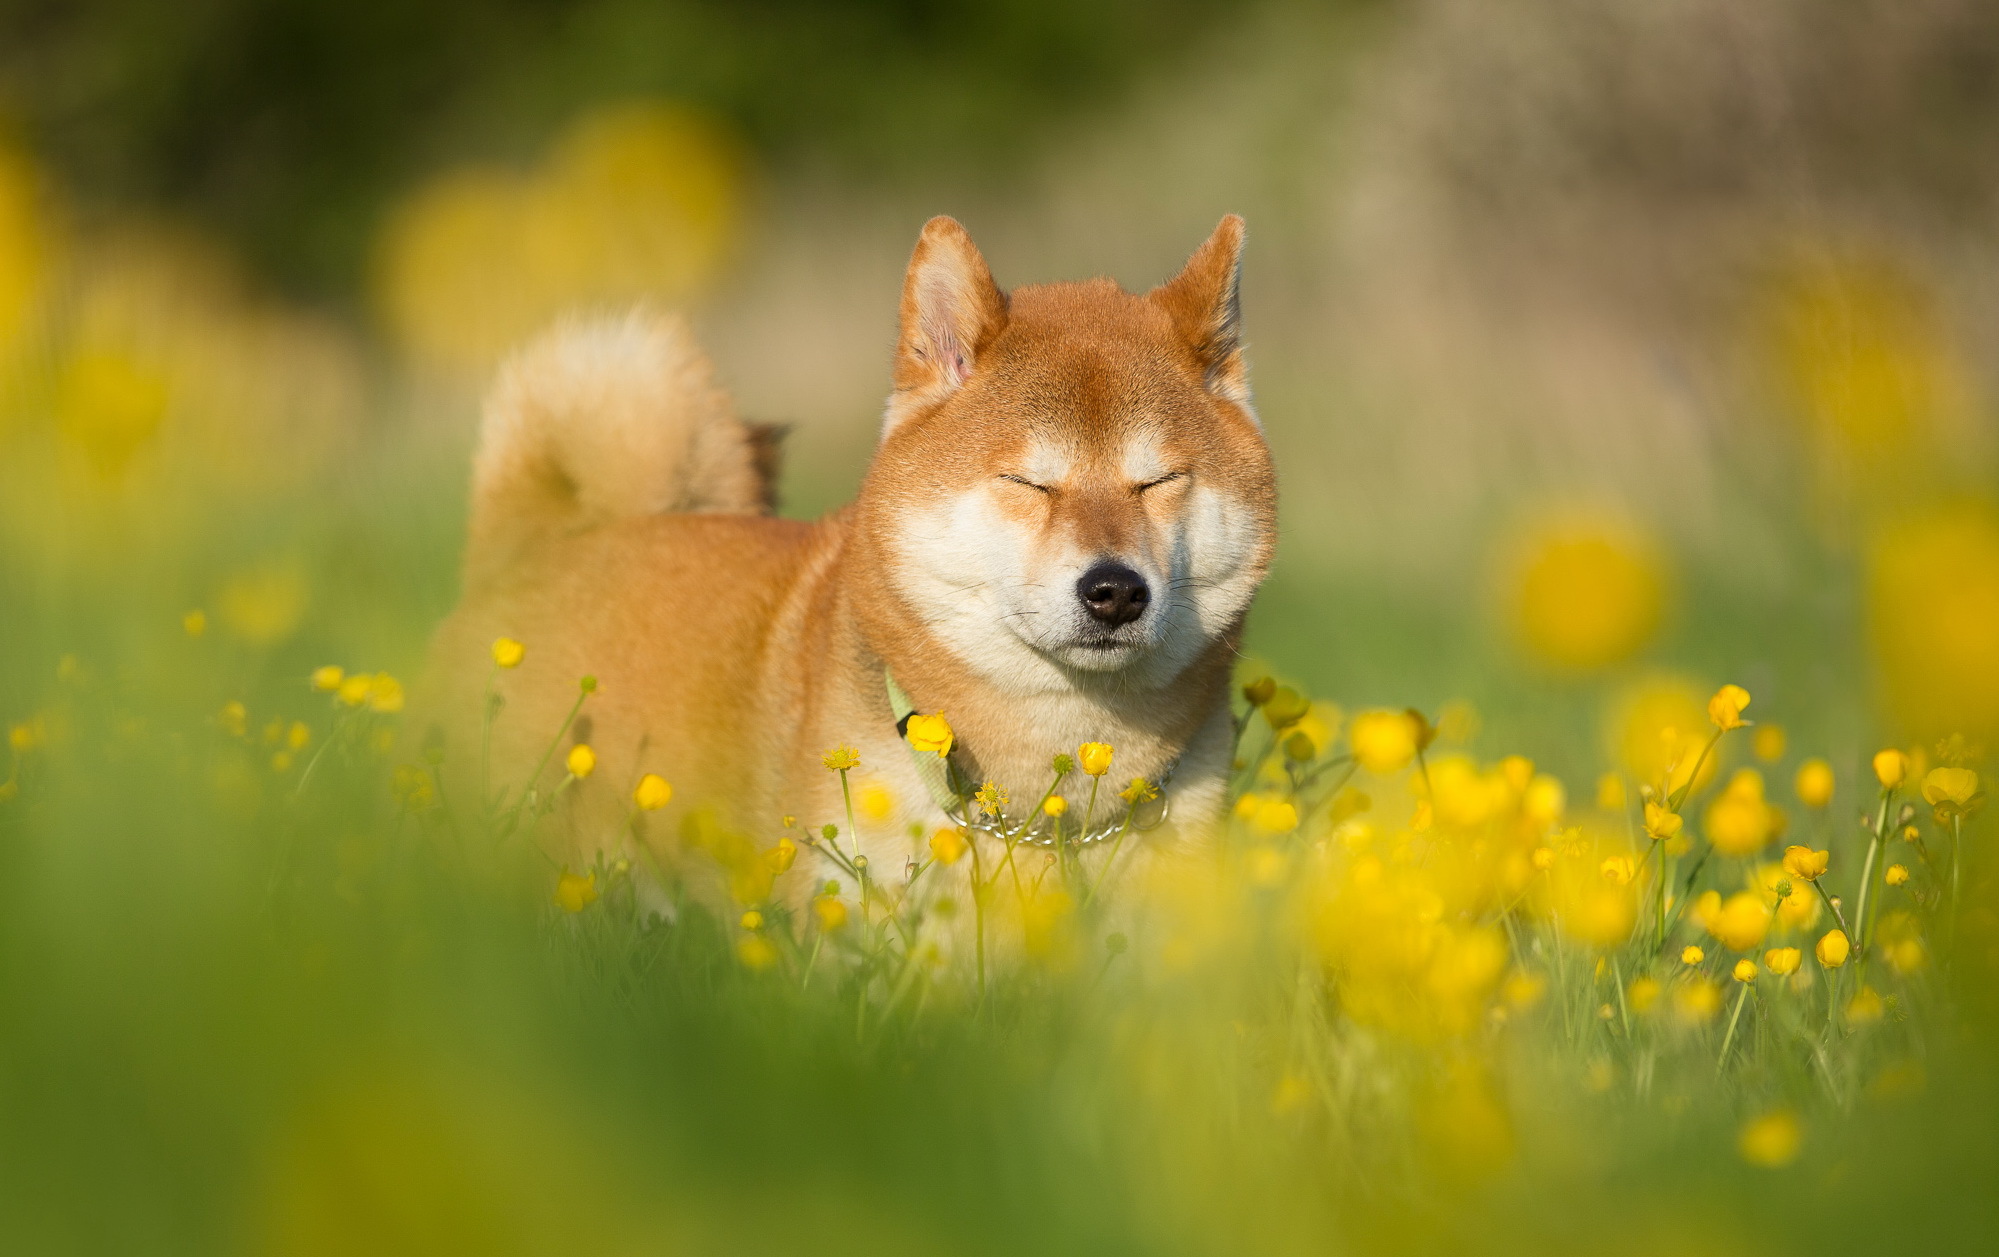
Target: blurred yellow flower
x=1656 y=723
x=1865 y=1007
x=756 y=953
x=1772 y=1140
x=1697 y=1001
x=581 y=761
x=1383 y=741
x=634 y=202
x=1832 y=949
x=1768 y=742
x=573 y=893
x=875 y=800
x=194 y=623
x=327 y=679
x=1660 y=824
x=1691 y=955
x=1275 y=816
x=930 y=735
x=652 y=793
x=1907 y=955
x=508 y=653
x=1745 y=970
x=298 y=736
x=234 y=718
x=1584 y=591
x=1890 y=767
x=781 y=856
x=1814 y=783
x=830 y=911
x=1950 y=786
x=1782 y=961
x=841 y=759
x=1054 y=805
x=1642 y=994
x=1933 y=597
x=354 y=689
x=1610 y=795
x=1285 y=707
x=1619 y=870
x=1739 y=821
x=1094 y=758
x=1741 y=922
x=1725 y=708
x=948 y=846
x=1805 y=863
x=1897 y=875
x=264 y=605
x=385 y=694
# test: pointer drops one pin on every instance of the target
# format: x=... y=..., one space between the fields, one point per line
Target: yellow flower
x=1662 y=825
x=1643 y=993
x=1619 y=870
x=1542 y=858
x=1697 y=1001
x=1782 y=961
x=354 y=689
x=1739 y=822
x=875 y=800
x=1769 y=743
x=385 y=693
x=1832 y=949
x=830 y=911
x=1814 y=783
x=327 y=679
x=948 y=846
x=194 y=623
x=756 y=952
x=841 y=758
x=508 y=653
x=1383 y=741
x=652 y=793
x=1285 y=706
x=1865 y=1006
x=1275 y=816
x=1256 y=693
x=991 y=797
x=1055 y=805
x=1741 y=922
x=1610 y=793
x=1772 y=1140
x=1583 y=591
x=573 y=893
x=752 y=920
x=1692 y=955
x=1806 y=864
x=234 y=718
x=1890 y=767
x=1725 y=708
x=582 y=761
x=781 y=856
x=1139 y=791
x=929 y=734
x=1094 y=757
x=1745 y=970
x=1952 y=786
x=1897 y=875
x=299 y=736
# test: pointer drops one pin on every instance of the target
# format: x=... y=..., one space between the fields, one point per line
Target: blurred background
x=1608 y=351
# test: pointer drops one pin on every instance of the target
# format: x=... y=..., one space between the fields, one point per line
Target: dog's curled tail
x=601 y=419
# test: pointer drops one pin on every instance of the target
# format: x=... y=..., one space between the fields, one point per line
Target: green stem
x=1860 y=914
x=1105 y=872
x=1728 y=1039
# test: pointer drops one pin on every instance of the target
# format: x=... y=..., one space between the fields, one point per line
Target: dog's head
x=1071 y=480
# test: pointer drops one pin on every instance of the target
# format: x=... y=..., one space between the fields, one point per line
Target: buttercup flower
x=1814 y=783
x=1383 y=741
x=1897 y=875
x=991 y=797
x=1890 y=767
x=781 y=856
x=1095 y=758
x=234 y=718
x=1739 y=821
x=1660 y=824
x=752 y=920
x=1619 y=870
x=385 y=693
x=327 y=679
x=1741 y=921
x=1256 y=693
x=652 y=793
x=930 y=735
x=1055 y=805
x=1745 y=970
x=830 y=912
x=1285 y=706
x=948 y=846
x=573 y=893
x=1725 y=708
x=756 y=952
x=841 y=758
x=1782 y=961
x=1275 y=816
x=1692 y=955
x=1139 y=791
x=1832 y=949
x=1769 y=743
x=508 y=653
x=1950 y=787
x=194 y=623
x=353 y=690
x=1806 y=864
x=582 y=761
x=1771 y=1141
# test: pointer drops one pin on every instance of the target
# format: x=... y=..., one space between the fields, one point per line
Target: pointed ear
x=951 y=310
x=1203 y=302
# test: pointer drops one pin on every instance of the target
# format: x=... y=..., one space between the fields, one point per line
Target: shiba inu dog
x=1068 y=514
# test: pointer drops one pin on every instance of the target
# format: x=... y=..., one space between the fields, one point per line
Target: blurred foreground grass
x=261 y=993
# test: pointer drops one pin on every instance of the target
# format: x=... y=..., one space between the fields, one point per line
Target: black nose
x=1113 y=593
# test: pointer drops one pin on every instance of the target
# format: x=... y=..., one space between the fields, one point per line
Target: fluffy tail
x=602 y=419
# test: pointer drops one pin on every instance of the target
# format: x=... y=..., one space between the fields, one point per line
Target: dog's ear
x=1202 y=299
x=951 y=310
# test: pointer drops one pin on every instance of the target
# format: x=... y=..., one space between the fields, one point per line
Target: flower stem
x=1728 y=1039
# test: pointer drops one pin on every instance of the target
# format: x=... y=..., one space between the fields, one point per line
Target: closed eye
x=1165 y=479
x=1038 y=488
